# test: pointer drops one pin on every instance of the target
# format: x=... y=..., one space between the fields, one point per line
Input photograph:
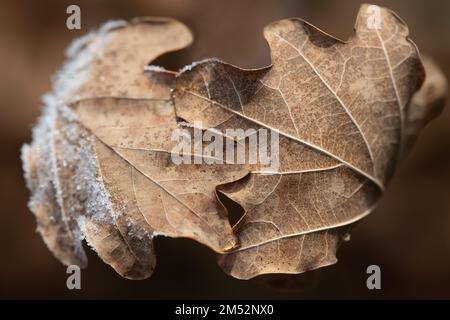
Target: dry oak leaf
x=99 y=167
x=69 y=196
x=342 y=111
x=98 y=172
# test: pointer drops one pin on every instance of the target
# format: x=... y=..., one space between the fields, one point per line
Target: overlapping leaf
x=110 y=140
x=100 y=164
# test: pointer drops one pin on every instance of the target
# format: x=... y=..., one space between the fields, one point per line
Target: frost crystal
x=62 y=209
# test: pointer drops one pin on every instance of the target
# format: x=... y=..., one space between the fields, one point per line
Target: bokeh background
x=408 y=236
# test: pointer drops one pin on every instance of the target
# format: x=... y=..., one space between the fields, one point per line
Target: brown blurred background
x=408 y=236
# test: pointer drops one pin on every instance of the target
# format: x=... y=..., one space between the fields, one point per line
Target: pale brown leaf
x=340 y=108
x=100 y=168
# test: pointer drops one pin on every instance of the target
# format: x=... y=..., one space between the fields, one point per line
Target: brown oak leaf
x=100 y=166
